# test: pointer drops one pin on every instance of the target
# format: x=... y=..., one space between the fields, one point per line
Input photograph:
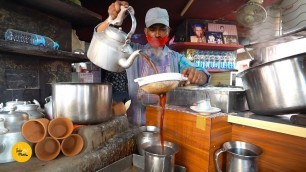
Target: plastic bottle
x=201 y=58
x=212 y=60
x=17 y=36
x=221 y=60
x=207 y=63
x=232 y=60
x=204 y=56
x=196 y=58
x=226 y=61
x=217 y=60
x=30 y=38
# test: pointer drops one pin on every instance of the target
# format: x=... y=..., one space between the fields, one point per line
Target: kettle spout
x=126 y=63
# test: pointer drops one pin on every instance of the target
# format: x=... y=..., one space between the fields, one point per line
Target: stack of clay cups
x=51 y=137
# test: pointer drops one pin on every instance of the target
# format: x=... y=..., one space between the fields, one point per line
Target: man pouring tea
x=165 y=60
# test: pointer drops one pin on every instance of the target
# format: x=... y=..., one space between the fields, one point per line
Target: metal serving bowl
x=277 y=87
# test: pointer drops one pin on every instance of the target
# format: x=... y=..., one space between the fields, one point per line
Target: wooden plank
x=179 y=46
x=281 y=152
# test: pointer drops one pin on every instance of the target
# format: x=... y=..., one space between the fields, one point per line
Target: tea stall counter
x=278 y=123
x=199 y=136
x=283 y=144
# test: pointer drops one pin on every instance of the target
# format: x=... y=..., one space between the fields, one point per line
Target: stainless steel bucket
x=158 y=161
x=83 y=103
x=240 y=157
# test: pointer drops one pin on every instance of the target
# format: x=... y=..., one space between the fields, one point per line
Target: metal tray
x=226 y=98
x=134 y=163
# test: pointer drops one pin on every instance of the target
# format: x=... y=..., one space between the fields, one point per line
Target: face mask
x=157 y=42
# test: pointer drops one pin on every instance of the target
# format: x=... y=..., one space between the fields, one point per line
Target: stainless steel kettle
x=10 y=132
x=111 y=48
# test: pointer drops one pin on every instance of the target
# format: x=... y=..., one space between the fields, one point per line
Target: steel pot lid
x=12 y=103
x=25 y=107
x=13 y=116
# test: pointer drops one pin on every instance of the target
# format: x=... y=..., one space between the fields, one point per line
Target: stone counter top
x=104 y=144
x=277 y=123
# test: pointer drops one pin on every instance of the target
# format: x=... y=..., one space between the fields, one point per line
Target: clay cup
x=60 y=128
x=35 y=130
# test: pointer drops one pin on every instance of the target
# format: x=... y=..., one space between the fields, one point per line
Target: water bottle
x=212 y=60
x=221 y=60
x=207 y=63
x=30 y=38
x=217 y=60
x=226 y=61
x=196 y=58
x=39 y=40
x=201 y=57
x=17 y=36
x=232 y=60
x=204 y=56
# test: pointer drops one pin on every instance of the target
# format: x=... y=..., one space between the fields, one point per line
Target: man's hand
x=113 y=11
x=195 y=76
x=114 y=8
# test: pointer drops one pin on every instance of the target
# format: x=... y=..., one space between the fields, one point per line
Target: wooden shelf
x=77 y=15
x=26 y=49
x=179 y=46
x=220 y=70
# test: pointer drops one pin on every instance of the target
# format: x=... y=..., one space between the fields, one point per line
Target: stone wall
x=27 y=77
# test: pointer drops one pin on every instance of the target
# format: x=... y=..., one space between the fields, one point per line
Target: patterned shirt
x=118 y=80
x=167 y=61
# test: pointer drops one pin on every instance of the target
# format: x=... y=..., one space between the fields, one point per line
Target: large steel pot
x=83 y=103
x=277 y=87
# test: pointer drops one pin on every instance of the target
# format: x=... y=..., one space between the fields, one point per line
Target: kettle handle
x=118 y=21
x=218 y=152
x=134 y=23
x=120 y=17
